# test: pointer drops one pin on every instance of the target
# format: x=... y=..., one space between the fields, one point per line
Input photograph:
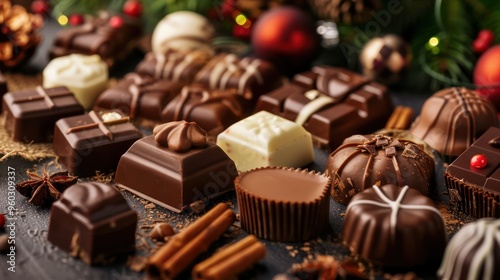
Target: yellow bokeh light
x=433 y=42
x=240 y=19
x=62 y=20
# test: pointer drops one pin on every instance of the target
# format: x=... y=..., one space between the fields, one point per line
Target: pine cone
x=18 y=39
x=345 y=11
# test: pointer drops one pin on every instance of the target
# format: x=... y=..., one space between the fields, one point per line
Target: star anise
x=45 y=188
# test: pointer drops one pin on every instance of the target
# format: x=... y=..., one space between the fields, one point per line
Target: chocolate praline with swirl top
x=394 y=227
x=176 y=166
x=363 y=161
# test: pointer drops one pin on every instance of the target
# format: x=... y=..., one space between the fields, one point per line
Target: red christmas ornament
x=116 y=21
x=487 y=75
x=132 y=8
x=2 y=221
x=75 y=19
x=40 y=7
x=287 y=37
x=478 y=161
x=483 y=41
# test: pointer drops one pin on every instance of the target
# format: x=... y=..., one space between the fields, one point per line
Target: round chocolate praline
x=394 y=227
x=473 y=253
x=363 y=161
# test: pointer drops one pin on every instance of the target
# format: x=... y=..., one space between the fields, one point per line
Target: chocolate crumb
x=149 y=206
x=137 y=263
x=198 y=206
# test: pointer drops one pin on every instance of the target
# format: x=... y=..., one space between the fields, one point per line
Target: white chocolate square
x=264 y=139
x=85 y=75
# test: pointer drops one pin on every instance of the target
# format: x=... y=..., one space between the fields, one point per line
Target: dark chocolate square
x=30 y=115
x=92 y=142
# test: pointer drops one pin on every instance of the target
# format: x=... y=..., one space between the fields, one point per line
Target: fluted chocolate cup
x=283 y=204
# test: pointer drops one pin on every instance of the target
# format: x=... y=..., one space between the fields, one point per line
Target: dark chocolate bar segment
x=98 y=36
x=30 y=115
x=139 y=96
x=94 y=141
x=92 y=221
x=331 y=103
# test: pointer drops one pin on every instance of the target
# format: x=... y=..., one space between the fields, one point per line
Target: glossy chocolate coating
x=3 y=87
x=30 y=115
x=175 y=180
x=93 y=221
x=407 y=234
x=250 y=77
x=349 y=104
x=452 y=119
x=364 y=161
x=473 y=252
x=83 y=151
x=174 y=65
x=212 y=110
x=139 y=96
x=283 y=204
x=476 y=191
x=97 y=36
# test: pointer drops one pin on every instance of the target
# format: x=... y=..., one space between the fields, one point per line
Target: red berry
x=75 y=19
x=132 y=8
x=40 y=7
x=479 y=45
x=486 y=35
x=116 y=21
x=2 y=220
x=478 y=161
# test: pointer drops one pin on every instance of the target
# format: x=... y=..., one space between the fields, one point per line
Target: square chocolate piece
x=93 y=221
x=139 y=96
x=98 y=36
x=476 y=189
x=174 y=179
x=331 y=103
x=30 y=115
x=94 y=141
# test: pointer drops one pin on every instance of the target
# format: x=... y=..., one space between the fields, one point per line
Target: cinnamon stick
x=231 y=261
x=400 y=118
x=183 y=248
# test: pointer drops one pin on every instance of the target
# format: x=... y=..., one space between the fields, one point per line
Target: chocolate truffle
x=283 y=204
x=331 y=103
x=251 y=77
x=139 y=96
x=474 y=189
x=264 y=139
x=394 y=226
x=452 y=119
x=94 y=141
x=85 y=75
x=363 y=161
x=182 y=30
x=473 y=252
x=212 y=110
x=92 y=221
x=98 y=36
x=30 y=115
x=176 y=167
x=174 y=65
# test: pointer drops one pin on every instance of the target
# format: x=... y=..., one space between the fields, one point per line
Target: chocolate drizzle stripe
x=397 y=170
x=135 y=91
x=313 y=106
x=366 y=173
x=481 y=234
x=252 y=70
x=394 y=205
x=98 y=123
x=42 y=94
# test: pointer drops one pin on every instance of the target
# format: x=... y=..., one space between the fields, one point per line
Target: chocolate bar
x=212 y=110
x=93 y=221
x=30 y=115
x=176 y=167
x=139 y=96
x=98 y=36
x=174 y=65
x=94 y=141
x=251 y=77
x=331 y=103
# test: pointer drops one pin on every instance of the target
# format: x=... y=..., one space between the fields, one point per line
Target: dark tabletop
x=36 y=258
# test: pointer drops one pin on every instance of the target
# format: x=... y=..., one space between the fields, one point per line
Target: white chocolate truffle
x=264 y=139
x=182 y=30
x=85 y=75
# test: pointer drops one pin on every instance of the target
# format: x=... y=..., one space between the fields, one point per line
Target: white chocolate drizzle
x=318 y=101
x=478 y=239
x=394 y=205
